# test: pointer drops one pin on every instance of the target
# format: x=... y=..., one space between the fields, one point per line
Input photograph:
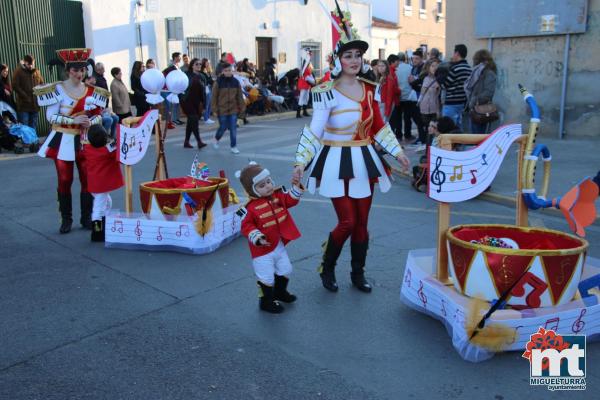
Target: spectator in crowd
x=416 y=82
x=25 y=78
x=193 y=103
x=206 y=72
x=481 y=85
x=150 y=63
x=388 y=92
x=435 y=54
x=270 y=80
x=395 y=118
x=429 y=98
x=172 y=108
x=186 y=63
x=99 y=75
x=222 y=62
x=120 y=95
x=6 y=92
x=139 y=93
x=408 y=99
x=227 y=103
x=454 y=83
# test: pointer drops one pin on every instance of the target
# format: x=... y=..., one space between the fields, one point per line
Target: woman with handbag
x=480 y=88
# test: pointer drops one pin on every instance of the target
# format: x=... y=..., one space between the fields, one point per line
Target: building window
x=174 y=28
x=423 y=5
x=315 y=59
x=205 y=47
x=408 y=8
x=382 y=54
x=423 y=9
x=440 y=9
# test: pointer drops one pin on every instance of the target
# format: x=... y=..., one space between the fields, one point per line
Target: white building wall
x=382 y=38
x=110 y=28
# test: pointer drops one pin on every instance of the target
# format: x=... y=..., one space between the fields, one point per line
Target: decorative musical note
x=438 y=177
x=459 y=317
x=499 y=149
x=119 y=228
x=560 y=278
x=444 y=307
x=132 y=141
x=183 y=228
x=474 y=178
x=483 y=159
x=579 y=323
x=555 y=320
x=159 y=236
x=138 y=231
x=507 y=275
x=408 y=277
x=539 y=286
x=457 y=173
x=422 y=295
x=140 y=143
x=125 y=147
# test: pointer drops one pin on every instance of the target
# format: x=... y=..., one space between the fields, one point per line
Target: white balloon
x=153 y=80
x=177 y=82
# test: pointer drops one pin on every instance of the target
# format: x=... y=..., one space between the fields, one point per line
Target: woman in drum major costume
x=72 y=107
x=337 y=152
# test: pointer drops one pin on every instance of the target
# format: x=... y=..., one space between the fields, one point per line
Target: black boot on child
x=281 y=293
x=267 y=299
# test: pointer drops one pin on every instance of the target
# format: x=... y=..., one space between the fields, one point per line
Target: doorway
x=264 y=52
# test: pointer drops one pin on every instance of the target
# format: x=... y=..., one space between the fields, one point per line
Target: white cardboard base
x=138 y=231
x=423 y=292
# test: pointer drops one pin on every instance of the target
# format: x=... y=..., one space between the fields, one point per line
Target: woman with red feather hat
x=72 y=107
x=337 y=152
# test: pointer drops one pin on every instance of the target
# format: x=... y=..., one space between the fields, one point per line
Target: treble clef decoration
x=125 y=147
x=438 y=177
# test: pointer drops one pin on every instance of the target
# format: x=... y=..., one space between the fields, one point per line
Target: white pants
x=303 y=98
x=102 y=203
x=275 y=262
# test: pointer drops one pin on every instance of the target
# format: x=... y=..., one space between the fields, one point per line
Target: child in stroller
x=15 y=136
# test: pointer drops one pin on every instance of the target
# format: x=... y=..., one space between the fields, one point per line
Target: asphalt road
x=78 y=321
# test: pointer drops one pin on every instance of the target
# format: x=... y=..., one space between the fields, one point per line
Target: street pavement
x=79 y=321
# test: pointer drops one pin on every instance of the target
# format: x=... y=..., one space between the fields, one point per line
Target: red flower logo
x=545 y=339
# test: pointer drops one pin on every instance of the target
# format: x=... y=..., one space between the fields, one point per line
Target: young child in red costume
x=269 y=226
x=104 y=176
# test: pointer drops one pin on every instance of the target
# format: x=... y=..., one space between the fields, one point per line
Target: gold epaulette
x=323 y=97
x=101 y=91
x=47 y=94
x=323 y=87
x=367 y=81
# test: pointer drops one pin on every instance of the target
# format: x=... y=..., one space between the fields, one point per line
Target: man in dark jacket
x=99 y=75
x=173 y=109
x=25 y=78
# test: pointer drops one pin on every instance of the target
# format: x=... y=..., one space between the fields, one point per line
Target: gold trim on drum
x=485 y=261
x=215 y=180
x=517 y=252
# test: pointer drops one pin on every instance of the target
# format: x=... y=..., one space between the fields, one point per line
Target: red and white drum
x=542 y=266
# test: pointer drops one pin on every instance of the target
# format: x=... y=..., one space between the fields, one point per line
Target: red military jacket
x=270 y=216
x=304 y=80
x=103 y=169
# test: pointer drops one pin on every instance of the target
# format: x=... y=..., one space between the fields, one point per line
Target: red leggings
x=353 y=216
x=64 y=171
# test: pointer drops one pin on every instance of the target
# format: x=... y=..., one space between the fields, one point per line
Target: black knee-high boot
x=304 y=112
x=331 y=252
x=280 y=291
x=298 y=110
x=267 y=299
x=87 y=203
x=65 y=206
x=359 y=258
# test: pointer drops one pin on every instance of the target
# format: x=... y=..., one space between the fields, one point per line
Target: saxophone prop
x=577 y=205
